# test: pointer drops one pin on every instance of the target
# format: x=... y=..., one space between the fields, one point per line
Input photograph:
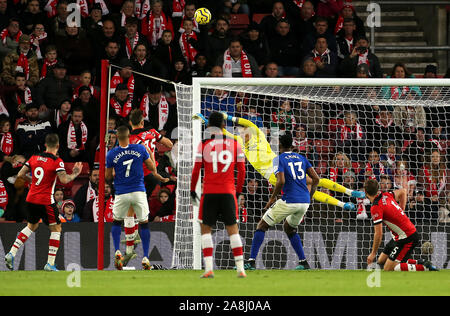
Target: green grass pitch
x=225 y=283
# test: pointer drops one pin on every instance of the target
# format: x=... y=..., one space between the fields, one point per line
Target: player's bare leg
x=236 y=248
x=207 y=249
x=53 y=246
x=22 y=237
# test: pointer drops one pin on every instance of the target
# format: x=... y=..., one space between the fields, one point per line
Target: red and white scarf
x=72 y=137
x=37 y=47
x=103 y=5
x=324 y=57
x=3 y=109
x=178 y=8
x=84 y=9
x=349 y=42
x=299 y=3
x=91 y=193
x=6 y=143
x=26 y=95
x=245 y=65
x=116 y=79
x=5 y=34
x=334 y=172
x=350 y=133
x=130 y=46
x=389 y=123
x=163 y=110
x=50 y=8
x=141 y=8
x=395 y=92
x=432 y=188
x=301 y=144
x=45 y=66
x=153 y=33
x=122 y=111
x=23 y=65
x=3 y=195
x=108 y=211
x=60 y=118
x=369 y=168
x=189 y=52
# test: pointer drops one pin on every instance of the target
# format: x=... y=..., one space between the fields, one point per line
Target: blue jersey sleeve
x=145 y=154
x=277 y=165
x=109 y=160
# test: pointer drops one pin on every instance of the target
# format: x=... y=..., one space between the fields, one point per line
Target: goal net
x=393 y=130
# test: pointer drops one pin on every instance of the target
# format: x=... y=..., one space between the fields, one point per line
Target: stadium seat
x=324 y=148
x=257 y=17
x=238 y=23
x=322 y=168
x=84 y=172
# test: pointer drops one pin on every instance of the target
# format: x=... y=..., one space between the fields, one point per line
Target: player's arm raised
x=65 y=178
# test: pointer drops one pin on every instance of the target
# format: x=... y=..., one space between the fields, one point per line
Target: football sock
x=258 y=239
x=207 y=247
x=410 y=267
x=333 y=186
x=20 y=240
x=53 y=246
x=236 y=247
x=296 y=243
x=145 y=237
x=116 y=230
x=327 y=199
x=128 y=224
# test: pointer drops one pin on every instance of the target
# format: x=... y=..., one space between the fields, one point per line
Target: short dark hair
x=286 y=140
x=371 y=187
x=216 y=119
x=123 y=132
x=52 y=140
x=136 y=117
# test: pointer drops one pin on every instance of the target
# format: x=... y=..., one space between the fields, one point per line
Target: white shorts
x=292 y=212
x=123 y=202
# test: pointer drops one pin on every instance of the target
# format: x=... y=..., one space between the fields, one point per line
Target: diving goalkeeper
x=260 y=155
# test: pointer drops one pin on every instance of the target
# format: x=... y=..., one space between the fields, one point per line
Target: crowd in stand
x=51 y=71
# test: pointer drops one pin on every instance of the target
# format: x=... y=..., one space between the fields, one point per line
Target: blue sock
x=258 y=239
x=145 y=237
x=296 y=243
x=116 y=230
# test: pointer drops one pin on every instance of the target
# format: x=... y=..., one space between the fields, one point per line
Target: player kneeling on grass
x=386 y=209
x=290 y=169
x=40 y=204
x=219 y=155
x=127 y=160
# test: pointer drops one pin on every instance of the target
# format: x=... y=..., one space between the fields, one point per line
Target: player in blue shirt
x=290 y=169
x=126 y=160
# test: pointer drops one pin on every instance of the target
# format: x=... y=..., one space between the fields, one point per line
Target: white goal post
x=329 y=241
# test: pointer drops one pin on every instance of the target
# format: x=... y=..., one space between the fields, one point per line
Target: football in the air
x=202 y=16
x=427 y=248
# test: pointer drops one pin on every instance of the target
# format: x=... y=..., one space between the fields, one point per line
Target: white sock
x=20 y=240
x=53 y=247
x=348 y=192
x=236 y=247
x=207 y=246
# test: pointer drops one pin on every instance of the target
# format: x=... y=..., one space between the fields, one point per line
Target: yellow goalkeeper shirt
x=257 y=150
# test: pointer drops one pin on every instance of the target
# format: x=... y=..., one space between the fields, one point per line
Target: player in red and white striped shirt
x=388 y=208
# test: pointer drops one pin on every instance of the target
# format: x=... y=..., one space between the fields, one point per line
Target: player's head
x=136 y=118
x=123 y=134
x=286 y=142
x=371 y=187
x=216 y=120
x=52 y=141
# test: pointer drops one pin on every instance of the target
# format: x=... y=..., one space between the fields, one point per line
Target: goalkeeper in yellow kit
x=260 y=155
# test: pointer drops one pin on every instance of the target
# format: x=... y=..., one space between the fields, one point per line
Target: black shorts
x=48 y=213
x=401 y=250
x=214 y=207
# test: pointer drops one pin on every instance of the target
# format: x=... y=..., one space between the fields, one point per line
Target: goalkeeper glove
x=194 y=198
